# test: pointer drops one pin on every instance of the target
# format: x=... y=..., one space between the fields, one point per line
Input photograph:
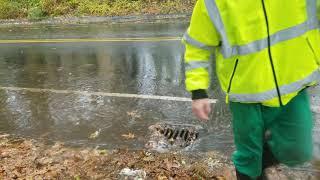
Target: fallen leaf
x=4 y=136
x=167 y=164
x=148 y=159
x=134 y=114
x=95 y=134
x=162 y=177
x=128 y=136
x=102 y=152
x=77 y=177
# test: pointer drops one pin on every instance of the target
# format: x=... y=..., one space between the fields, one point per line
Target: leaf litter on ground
x=31 y=159
x=22 y=158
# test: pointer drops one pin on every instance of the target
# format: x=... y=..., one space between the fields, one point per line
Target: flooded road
x=67 y=90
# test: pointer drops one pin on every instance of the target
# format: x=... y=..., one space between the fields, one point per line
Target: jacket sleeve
x=200 y=41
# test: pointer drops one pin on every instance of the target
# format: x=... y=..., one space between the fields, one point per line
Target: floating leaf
x=134 y=114
x=128 y=136
x=95 y=134
x=102 y=152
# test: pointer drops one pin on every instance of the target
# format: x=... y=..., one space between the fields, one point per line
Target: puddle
x=147 y=68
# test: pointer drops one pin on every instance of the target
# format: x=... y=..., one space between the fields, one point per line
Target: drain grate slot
x=182 y=133
x=186 y=135
x=171 y=136
x=174 y=133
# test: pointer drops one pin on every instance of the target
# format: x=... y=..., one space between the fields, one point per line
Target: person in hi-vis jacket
x=267 y=53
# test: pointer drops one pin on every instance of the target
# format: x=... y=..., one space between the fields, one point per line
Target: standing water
x=65 y=90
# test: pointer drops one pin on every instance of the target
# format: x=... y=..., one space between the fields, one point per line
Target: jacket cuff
x=199 y=94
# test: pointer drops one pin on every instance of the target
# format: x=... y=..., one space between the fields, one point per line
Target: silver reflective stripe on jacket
x=196 y=64
x=285 y=89
x=196 y=43
x=228 y=51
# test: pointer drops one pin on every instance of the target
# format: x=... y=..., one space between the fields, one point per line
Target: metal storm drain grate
x=164 y=136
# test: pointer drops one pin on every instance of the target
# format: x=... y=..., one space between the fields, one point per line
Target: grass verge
x=39 y=9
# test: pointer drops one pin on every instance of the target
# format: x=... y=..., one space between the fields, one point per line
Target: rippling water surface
x=147 y=68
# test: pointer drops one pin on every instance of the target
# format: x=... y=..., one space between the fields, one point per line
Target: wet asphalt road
x=143 y=67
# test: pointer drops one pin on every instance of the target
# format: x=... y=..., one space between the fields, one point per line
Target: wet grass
x=38 y=9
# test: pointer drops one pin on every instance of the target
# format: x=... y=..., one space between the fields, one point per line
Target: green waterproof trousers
x=287 y=130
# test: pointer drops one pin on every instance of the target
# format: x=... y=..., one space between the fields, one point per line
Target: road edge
x=165 y=18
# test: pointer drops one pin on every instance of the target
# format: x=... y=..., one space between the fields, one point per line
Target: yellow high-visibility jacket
x=266 y=51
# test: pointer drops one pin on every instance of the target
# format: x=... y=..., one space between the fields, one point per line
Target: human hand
x=201 y=109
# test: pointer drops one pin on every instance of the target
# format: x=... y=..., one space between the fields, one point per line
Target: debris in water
x=95 y=134
x=128 y=136
x=134 y=114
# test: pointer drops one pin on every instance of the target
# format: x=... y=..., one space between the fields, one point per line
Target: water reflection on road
x=149 y=68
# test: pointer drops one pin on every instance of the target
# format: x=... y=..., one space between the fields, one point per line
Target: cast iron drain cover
x=166 y=136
